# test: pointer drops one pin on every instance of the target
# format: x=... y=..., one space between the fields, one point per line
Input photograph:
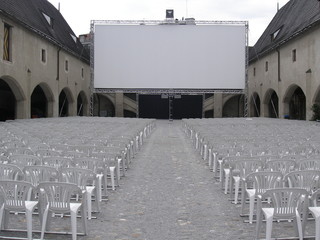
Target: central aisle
x=169 y=194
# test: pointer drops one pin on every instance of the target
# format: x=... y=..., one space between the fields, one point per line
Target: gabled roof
x=34 y=15
x=293 y=19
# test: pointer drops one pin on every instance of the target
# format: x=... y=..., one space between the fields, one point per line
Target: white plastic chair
x=23 y=160
x=239 y=170
x=38 y=174
x=315 y=211
x=56 y=197
x=15 y=195
x=306 y=179
x=255 y=184
x=286 y=204
x=57 y=162
x=281 y=165
x=82 y=178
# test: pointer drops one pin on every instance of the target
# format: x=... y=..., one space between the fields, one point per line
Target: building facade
x=44 y=69
x=283 y=73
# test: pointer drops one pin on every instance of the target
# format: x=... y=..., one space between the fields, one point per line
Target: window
x=275 y=34
x=74 y=38
x=82 y=72
x=254 y=71
x=48 y=19
x=43 y=56
x=294 y=55
x=267 y=66
x=66 y=65
x=7 y=43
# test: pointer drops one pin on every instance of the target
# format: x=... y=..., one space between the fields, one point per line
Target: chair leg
x=269 y=220
x=89 y=205
x=259 y=223
x=226 y=181
x=299 y=225
x=74 y=224
x=44 y=223
x=84 y=218
x=317 y=222
x=236 y=189
x=29 y=223
x=1 y=217
x=112 y=178
x=251 y=208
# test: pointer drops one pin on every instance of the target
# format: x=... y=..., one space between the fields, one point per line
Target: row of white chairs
x=263 y=159
x=82 y=151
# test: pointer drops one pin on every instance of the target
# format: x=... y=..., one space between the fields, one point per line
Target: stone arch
x=103 y=106
x=271 y=104
x=234 y=106
x=316 y=98
x=82 y=104
x=66 y=101
x=295 y=103
x=255 y=105
x=12 y=99
x=42 y=100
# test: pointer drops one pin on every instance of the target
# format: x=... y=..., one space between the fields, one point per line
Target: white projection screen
x=169 y=56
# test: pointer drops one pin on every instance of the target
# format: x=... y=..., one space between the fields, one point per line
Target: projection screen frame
x=164 y=90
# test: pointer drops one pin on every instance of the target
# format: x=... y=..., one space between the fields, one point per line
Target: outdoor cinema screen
x=169 y=56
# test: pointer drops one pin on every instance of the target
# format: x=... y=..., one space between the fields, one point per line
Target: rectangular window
x=67 y=65
x=267 y=66
x=7 y=43
x=254 y=72
x=294 y=55
x=82 y=72
x=43 y=56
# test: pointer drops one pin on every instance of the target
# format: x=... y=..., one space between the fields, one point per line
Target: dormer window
x=275 y=34
x=48 y=19
x=74 y=38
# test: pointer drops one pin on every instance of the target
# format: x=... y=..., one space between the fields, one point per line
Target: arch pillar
x=218 y=105
x=119 y=108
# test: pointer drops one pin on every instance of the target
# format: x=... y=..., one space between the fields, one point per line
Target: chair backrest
x=279 y=165
x=262 y=181
x=309 y=164
x=306 y=179
x=23 y=160
x=15 y=193
x=9 y=172
x=58 y=195
x=78 y=176
x=57 y=162
x=286 y=201
x=38 y=174
x=247 y=166
x=94 y=164
x=42 y=153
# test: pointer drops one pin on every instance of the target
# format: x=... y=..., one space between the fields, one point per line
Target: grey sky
x=258 y=13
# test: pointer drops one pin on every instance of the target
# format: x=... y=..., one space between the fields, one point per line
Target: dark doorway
x=7 y=102
x=297 y=105
x=39 y=103
x=63 y=104
x=182 y=106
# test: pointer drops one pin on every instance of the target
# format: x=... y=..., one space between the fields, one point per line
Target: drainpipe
x=58 y=64
x=279 y=64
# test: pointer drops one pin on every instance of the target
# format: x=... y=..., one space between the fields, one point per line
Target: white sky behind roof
x=259 y=13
